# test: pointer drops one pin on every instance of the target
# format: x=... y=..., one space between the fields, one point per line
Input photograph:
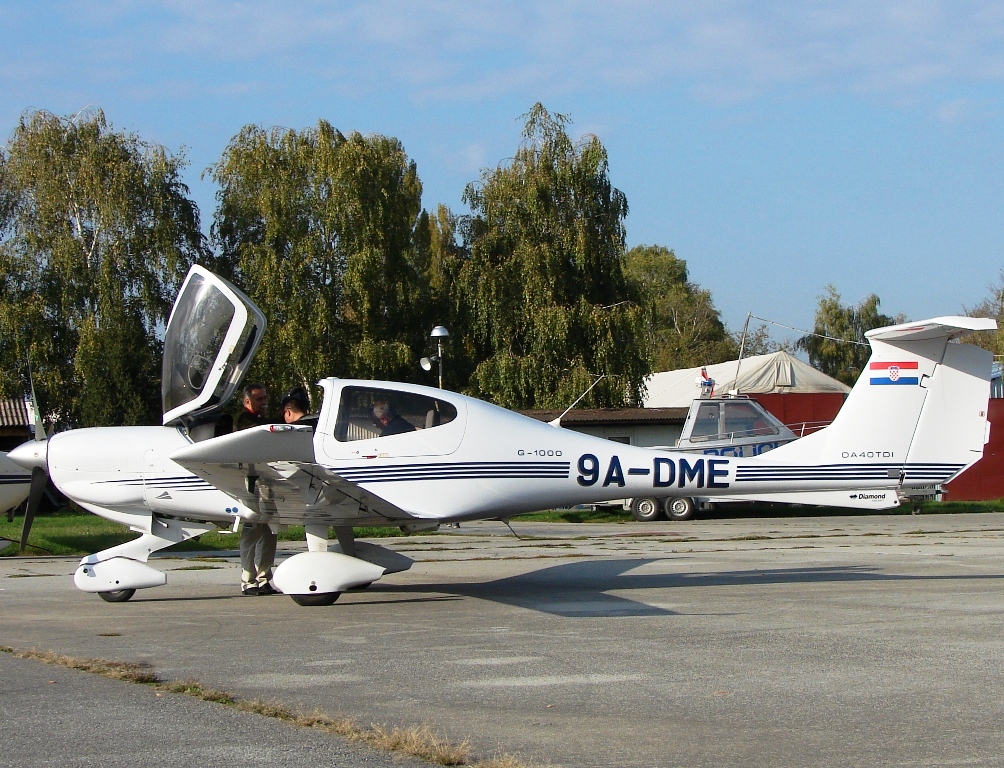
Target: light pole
x=438 y=333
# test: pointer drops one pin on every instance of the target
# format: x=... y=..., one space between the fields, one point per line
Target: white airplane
x=917 y=416
x=15 y=482
x=18 y=483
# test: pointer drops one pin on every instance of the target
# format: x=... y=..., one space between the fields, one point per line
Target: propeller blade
x=39 y=477
x=35 y=415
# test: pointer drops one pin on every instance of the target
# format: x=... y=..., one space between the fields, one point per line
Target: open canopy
x=211 y=338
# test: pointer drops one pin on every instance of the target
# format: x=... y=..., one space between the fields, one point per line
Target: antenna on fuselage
x=557 y=422
x=511 y=529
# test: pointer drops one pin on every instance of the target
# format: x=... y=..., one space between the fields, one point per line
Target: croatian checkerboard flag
x=894 y=373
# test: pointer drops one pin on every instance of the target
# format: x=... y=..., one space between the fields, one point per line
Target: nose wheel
x=322 y=598
x=118 y=596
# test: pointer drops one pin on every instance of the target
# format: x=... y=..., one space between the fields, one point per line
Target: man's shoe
x=268 y=589
x=251 y=591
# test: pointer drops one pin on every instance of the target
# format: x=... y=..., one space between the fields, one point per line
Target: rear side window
x=365 y=413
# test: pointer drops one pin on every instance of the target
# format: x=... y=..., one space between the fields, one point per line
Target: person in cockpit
x=389 y=420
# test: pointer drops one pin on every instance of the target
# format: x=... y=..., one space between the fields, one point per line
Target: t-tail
x=916 y=417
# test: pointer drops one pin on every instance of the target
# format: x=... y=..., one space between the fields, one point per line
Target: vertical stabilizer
x=919 y=409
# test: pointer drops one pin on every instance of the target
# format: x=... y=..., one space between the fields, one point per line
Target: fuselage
x=483 y=462
x=123 y=474
x=491 y=462
x=15 y=482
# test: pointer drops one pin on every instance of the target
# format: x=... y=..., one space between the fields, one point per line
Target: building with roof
x=15 y=423
x=647 y=427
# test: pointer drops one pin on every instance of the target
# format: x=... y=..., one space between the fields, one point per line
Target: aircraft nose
x=31 y=454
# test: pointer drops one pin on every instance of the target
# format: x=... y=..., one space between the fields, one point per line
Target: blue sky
x=777 y=147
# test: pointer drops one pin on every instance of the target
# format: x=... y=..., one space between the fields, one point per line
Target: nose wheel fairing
x=124 y=567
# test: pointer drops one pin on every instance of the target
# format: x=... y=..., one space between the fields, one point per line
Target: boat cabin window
x=731 y=419
x=745 y=420
x=706 y=422
x=368 y=412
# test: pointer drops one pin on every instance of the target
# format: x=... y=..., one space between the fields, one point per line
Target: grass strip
x=116 y=670
x=417 y=741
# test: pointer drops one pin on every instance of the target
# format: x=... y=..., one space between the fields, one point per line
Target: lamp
x=438 y=333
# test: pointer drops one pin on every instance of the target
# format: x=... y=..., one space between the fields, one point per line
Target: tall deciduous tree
x=545 y=303
x=991 y=306
x=96 y=231
x=440 y=256
x=839 y=348
x=685 y=328
x=319 y=228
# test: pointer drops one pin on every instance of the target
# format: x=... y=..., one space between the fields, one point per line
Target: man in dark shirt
x=258 y=540
x=389 y=421
x=255 y=408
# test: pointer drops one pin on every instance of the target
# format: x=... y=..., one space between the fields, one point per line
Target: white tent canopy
x=776 y=372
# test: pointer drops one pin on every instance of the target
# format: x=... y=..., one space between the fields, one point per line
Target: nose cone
x=30 y=455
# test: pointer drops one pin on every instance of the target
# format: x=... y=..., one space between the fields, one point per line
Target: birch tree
x=320 y=230
x=685 y=329
x=838 y=346
x=543 y=297
x=96 y=232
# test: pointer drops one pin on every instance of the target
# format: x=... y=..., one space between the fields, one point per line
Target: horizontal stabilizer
x=949 y=327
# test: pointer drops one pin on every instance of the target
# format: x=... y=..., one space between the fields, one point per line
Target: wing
x=271 y=470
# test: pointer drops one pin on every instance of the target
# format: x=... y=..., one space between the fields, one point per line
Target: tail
x=918 y=410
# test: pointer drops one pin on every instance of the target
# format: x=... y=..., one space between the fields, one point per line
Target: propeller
x=33 y=455
x=39 y=478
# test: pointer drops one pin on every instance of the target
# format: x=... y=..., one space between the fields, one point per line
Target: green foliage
x=96 y=231
x=440 y=256
x=120 y=368
x=320 y=230
x=542 y=297
x=839 y=348
x=991 y=306
x=685 y=329
x=758 y=342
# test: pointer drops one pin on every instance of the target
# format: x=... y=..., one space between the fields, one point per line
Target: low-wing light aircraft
x=917 y=416
x=14 y=483
x=18 y=483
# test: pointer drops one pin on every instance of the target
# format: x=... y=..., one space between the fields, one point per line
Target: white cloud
x=955 y=111
x=456 y=51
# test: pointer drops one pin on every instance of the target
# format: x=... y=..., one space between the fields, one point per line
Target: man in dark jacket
x=255 y=408
x=389 y=421
x=295 y=405
x=258 y=540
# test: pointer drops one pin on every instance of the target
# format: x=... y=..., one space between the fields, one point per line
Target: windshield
x=201 y=319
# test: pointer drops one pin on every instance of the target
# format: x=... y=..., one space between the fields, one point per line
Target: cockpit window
x=367 y=412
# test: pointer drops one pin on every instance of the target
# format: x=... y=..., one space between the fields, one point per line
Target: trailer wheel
x=646 y=510
x=680 y=508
